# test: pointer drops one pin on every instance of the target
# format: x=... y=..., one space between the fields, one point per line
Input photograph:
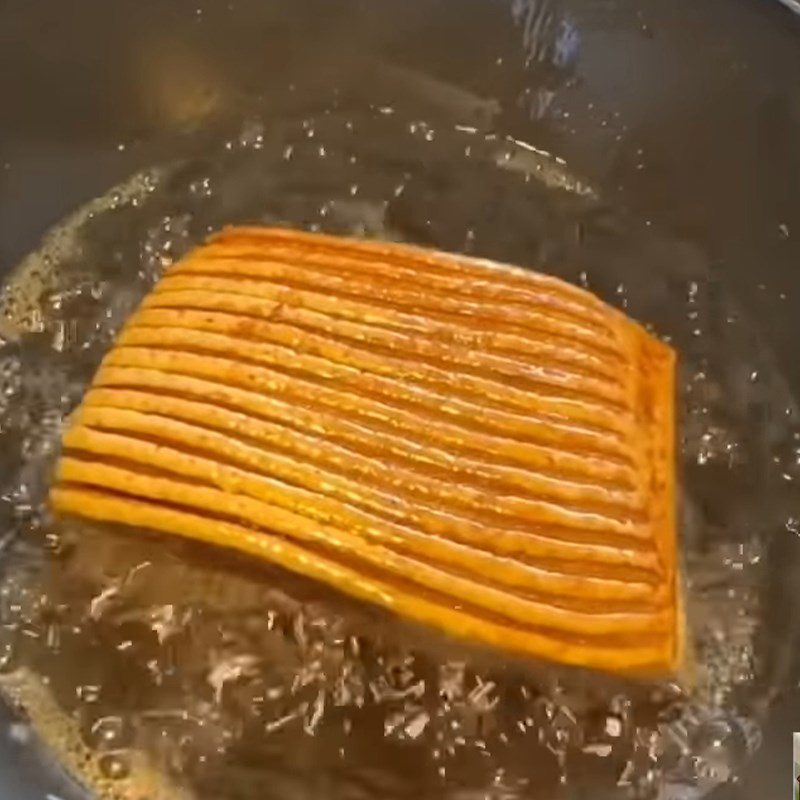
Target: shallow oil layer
x=161 y=671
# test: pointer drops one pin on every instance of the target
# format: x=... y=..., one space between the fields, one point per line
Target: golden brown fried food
x=474 y=446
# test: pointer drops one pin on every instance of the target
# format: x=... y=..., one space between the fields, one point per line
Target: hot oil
x=157 y=670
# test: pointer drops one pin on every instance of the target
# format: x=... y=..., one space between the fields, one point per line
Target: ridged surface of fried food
x=476 y=447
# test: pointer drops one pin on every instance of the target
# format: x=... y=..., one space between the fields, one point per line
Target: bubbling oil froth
x=154 y=668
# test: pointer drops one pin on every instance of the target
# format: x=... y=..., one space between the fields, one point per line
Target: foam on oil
x=162 y=670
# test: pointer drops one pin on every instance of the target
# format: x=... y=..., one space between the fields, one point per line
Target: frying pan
x=679 y=122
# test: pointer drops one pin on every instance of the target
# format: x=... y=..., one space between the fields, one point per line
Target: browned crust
x=477 y=447
x=658 y=374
